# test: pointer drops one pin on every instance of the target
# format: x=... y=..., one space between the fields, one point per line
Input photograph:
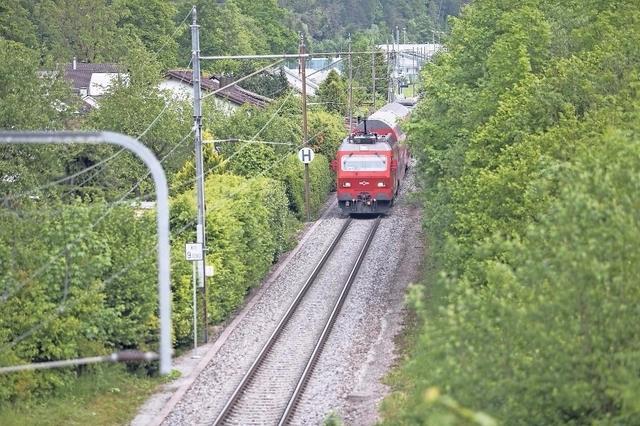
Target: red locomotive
x=372 y=161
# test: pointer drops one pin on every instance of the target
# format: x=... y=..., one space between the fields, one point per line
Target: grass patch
x=106 y=396
x=401 y=382
x=397 y=379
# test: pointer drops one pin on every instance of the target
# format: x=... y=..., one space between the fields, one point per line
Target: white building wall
x=181 y=91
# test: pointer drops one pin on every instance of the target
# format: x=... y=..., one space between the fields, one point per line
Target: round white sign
x=305 y=155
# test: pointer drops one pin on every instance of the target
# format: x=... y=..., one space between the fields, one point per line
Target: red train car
x=372 y=161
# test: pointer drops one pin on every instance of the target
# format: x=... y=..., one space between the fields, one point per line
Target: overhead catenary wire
x=242 y=79
x=237 y=152
x=61 y=309
x=214 y=141
x=82 y=235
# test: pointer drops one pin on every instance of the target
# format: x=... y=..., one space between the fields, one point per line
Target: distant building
x=408 y=59
x=316 y=70
x=91 y=81
x=180 y=84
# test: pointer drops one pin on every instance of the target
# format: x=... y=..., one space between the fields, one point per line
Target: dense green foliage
x=266 y=142
x=28 y=102
x=77 y=255
x=528 y=138
x=67 y=293
x=332 y=94
x=92 y=287
x=330 y=20
x=247 y=225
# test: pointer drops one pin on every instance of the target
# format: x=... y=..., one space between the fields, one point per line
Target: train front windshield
x=364 y=163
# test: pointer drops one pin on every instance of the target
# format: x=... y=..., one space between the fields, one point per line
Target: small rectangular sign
x=193 y=252
x=209 y=271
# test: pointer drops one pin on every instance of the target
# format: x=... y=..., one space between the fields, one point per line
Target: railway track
x=271 y=387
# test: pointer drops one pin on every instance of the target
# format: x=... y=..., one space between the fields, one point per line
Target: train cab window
x=364 y=163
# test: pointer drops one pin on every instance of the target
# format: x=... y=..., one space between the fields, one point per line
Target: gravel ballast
x=360 y=350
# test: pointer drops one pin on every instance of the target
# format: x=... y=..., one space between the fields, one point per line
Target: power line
x=172 y=35
x=67 y=246
x=237 y=152
x=63 y=307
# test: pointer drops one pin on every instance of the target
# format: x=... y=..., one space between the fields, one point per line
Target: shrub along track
x=347 y=378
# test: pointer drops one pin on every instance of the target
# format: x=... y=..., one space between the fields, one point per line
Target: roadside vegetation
x=528 y=140
x=77 y=245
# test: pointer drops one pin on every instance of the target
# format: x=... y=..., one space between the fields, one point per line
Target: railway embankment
x=347 y=378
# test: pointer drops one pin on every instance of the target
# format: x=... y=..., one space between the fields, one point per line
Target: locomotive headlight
x=381 y=185
x=347 y=184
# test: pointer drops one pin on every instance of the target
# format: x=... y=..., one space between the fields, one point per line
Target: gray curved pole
x=162 y=203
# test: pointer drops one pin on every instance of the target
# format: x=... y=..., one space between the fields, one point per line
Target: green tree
x=16 y=23
x=269 y=23
x=137 y=108
x=30 y=100
x=152 y=23
x=524 y=136
x=86 y=29
x=332 y=94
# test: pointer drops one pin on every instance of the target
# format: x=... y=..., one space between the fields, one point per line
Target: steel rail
x=246 y=379
x=308 y=370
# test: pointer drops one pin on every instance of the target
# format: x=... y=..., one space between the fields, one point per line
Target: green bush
x=528 y=148
x=70 y=293
x=320 y=183
x=246 y=228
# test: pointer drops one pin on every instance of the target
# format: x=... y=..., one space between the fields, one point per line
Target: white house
x=91 y=81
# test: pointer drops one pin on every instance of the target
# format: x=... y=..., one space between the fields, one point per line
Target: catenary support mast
x=197 y=123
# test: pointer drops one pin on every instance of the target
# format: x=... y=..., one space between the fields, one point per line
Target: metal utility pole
x=350 y=89
x=416 y=70
x=389 y=82
x=303 y=71
x=396 y=86
x=197 y=123
x=373 y=75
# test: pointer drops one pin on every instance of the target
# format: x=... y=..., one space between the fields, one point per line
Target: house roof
x=80 y=74
x=234 y=94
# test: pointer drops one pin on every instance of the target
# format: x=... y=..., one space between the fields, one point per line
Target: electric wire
x=43 y=267
x=62 y=308
x=239 y=150
x=178 y=28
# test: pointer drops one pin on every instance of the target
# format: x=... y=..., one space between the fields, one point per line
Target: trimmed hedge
x=246 y=230
x=320 y=183
x=88 y=283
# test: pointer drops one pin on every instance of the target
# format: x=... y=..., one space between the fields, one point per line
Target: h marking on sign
x=305 y=155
